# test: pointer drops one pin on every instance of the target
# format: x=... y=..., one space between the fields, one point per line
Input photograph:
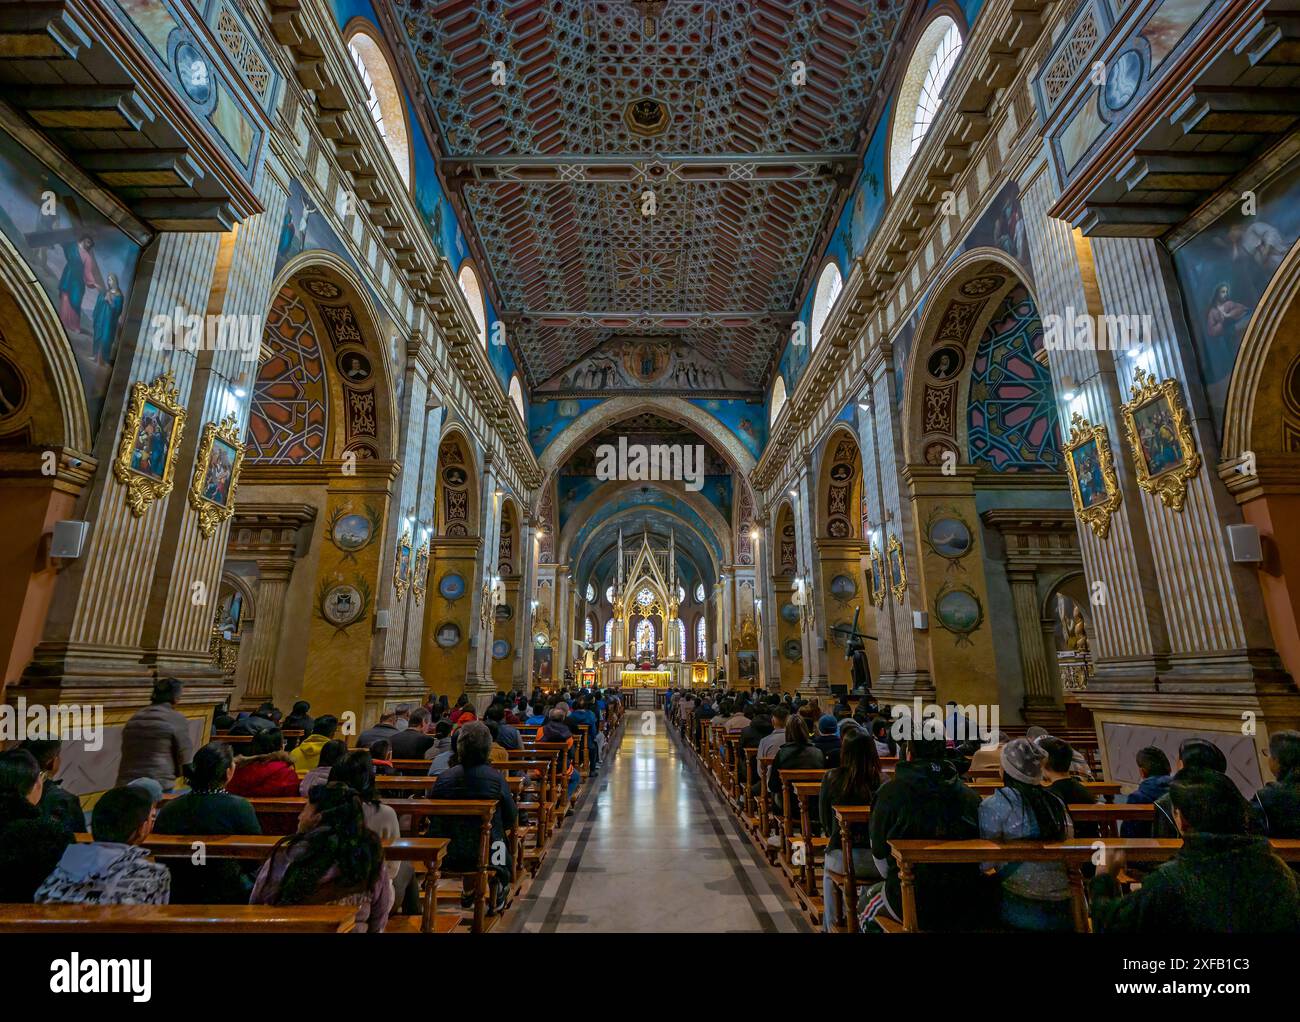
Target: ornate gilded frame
x=1097 y=517
x=402 y=581
x=143 y=489
x=1170 y=485
x=897 y=586
x=878 y=571
x=210 y=513
x=420 y=571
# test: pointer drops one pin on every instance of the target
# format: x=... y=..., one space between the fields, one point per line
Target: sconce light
x=1069 y=389
x=794 y=495
x=799 y=597
x=753 y=534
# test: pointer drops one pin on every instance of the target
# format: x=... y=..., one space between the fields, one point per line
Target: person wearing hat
x=1035 y=895
x=828 y=739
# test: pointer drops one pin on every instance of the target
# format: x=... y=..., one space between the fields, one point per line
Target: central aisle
x=653 y=849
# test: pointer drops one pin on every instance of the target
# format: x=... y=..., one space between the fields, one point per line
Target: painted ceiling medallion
x=647 y=117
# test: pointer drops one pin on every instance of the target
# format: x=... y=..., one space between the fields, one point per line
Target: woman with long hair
x=853 y=783
x=333 y=859
x=1035 y=895
x=357 y=770
x=798 y=753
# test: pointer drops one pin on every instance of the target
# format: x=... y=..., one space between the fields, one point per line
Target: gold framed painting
x=216 y=473
x=151 y=439
x=402 y=565
x=897 y=573
x=878 y=586
x=1160 y=436
x=418 y=579
x=1094 y=486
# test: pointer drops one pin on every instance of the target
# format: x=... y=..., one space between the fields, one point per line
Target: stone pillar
x=272 y=587
x=812 y=628
x=1040 y=698
x=479 y=684
x=523 y=663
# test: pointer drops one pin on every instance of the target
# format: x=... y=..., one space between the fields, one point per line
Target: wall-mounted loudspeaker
x=1243 y=540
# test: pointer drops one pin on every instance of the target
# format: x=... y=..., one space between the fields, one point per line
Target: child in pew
x=381 y=754
x=306 y=756
x=1223 y=879
x=854 y=782
x=1064 y=785
x=332 y=860
x=208 y=808
x=113 y=869
x=1035 y=895
x=331 y=752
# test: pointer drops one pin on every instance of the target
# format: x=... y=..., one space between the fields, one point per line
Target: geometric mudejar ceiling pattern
x=693 y=100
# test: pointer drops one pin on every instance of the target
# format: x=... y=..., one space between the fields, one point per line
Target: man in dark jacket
x=413 y=741
x=1279 y=801
x=474 y=778
x=926 y=799
x=265 y=718
x=63 y=807
x=299 y=719
x=30 y=845
x=386 y=728
x=760 y=726
x=1193 y=754
x=1221 y=881
x=156 y=741
x=1153 y=765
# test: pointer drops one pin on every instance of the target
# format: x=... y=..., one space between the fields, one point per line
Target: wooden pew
x=1109 y=815
x=789 y=818
x=256 y=847
x=845 y=881
x=72 y=919
x=1108 y=789
x=1072 y=854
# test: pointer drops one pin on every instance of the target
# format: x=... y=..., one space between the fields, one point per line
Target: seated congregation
x=434 y=819
x=879 y=826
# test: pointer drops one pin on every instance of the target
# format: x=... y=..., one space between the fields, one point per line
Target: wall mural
x=1224 y=271
x=1011 y=411
x=843 y=473
x=1002 y=226
x=643 y=364
x=361 y=434
x=745 y=523
x=455 y=489
x=288 y=417
x=80 y=259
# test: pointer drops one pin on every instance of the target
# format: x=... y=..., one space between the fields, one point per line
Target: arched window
x=829 y=286
x=609 y=595
x=516 y=394
x=383 y=97
x=778 y=399
x=921 y=93
x=701 y=639
x=469 y=286
x=591 y=593
x=681 y=639
x=699 y=592
x=645 y=636
x=609 y=639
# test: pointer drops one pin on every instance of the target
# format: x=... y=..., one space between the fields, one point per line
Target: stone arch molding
x=961 y=305
x=615 y=410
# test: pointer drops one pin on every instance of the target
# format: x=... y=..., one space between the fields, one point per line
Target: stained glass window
x=701 y=639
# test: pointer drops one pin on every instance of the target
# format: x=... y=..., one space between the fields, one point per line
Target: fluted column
x=1039 y=692
x=272 y=587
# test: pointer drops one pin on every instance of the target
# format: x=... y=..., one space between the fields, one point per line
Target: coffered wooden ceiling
x=691 y=99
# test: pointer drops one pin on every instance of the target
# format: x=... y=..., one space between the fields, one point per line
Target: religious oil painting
x=1160 y=435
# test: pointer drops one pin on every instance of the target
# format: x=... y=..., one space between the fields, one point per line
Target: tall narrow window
x=701 y=639
x=920 y=94
x=384 y=100
x=681 y=639
x=778 y=399
x=609 y=639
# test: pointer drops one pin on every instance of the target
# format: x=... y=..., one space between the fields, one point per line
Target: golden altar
x=646 y=679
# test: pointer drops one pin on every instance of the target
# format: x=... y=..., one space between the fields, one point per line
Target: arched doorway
x=312 y=538
x=989 y=513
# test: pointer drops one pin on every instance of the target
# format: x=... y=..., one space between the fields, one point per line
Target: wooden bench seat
x=29 y=918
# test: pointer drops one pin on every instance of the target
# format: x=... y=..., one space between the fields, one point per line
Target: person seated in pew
x=113 y=869
x=208 y=808
x=733 y=716
x=1078 y=764
x=299 y=719
x=796 y=753
x=880 y=731
x=1278 y=802
x=58 y=805
x=498 y=753
x=557 y=730
x=473 y=777
x=357 y=769
x=1035 y=895
x=760 y=726
x=268 y=772
x=507 y=735
x=306 y=756
x=828 y=739
x=1065 y=785
x=30 y=843
x=581 y=714
x=440 y=751
x=461 y=709
x=333 y=859
x=1153 y=767
x=1193 y=754
x=385 y=727
x=403 y=716
x=775 y=738
x=331 y=752
x=854 y=782
x=1223 y=879
x=925 y=799
x=381 y=754
x=222 y=719
x=263 y=718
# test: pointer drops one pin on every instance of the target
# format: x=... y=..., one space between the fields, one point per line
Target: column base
x=903 y=688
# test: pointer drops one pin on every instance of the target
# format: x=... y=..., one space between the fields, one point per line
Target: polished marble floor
x=653 y=849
